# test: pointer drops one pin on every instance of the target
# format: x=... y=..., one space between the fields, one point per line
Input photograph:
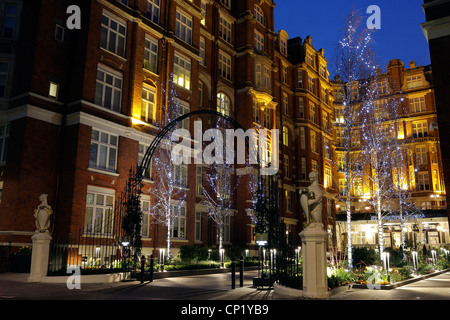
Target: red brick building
x=79 y=107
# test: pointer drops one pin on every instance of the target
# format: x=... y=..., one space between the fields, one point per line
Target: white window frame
x=107 y=142
x=225 y=65
x=258 y=14
x=182 y=71
x=145 y=208
x=225 y=29
x=151 y=54
x=285 y=136
x=314 y=141
x=53 y=90
x=421 y=154
x=179 y=224
x=203 y=9
x=414 y=81
x=183 y=27
x=259 y=41
x=148 y=104
x=198 y=226
x=180 y=175
x=423 y=181
x=101 y=209
x=153 y=10
x=202 y=53
x=420 y=129
x=417 y=104
x=105 y=85
x=116 y=27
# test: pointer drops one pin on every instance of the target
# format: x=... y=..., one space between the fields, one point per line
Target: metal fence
x=106 y=246
x=92 y=253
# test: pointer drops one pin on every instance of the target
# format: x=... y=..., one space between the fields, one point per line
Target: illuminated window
x=53 y=90
x=148 y=111
x=182 y=72
x=312 y=84
x=285 y=136
x=203 y=21
x=420 y=129
x=423 y=181
x=417 y=104
x=421 y=155
x=223 y=104
x=327 y=176
x=414 y=81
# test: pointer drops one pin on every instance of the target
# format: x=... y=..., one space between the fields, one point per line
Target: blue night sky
x=400 y=35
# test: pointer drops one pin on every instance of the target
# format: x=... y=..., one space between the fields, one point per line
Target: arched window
x=258 y=14
x=223 y=104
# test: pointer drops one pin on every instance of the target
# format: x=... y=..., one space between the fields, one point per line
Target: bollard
x=241 y=272
x=233 y=273
x=142 y=268
x=152 y=262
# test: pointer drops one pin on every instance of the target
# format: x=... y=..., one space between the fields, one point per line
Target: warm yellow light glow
x=136 y=121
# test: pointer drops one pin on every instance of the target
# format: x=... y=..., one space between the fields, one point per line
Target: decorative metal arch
x=146 y=161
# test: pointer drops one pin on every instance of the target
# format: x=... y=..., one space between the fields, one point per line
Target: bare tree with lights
x=221 y=182
x=354 y=61
x=170 y=182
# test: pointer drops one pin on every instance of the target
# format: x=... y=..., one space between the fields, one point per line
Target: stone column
x=315 y=281
x=39 y=256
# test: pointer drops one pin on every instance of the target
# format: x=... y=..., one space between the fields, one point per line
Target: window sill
x=179 y=240
x=104 y=171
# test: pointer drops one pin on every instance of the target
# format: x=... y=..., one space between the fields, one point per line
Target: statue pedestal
x=39 y=256
x=315 y=282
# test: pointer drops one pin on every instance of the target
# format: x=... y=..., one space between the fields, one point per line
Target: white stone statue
x=311 y=202
x=42 y=215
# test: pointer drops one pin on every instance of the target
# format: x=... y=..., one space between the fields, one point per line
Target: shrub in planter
x=364 y=257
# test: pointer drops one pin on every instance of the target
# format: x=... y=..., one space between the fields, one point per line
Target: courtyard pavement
x=178 y=294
